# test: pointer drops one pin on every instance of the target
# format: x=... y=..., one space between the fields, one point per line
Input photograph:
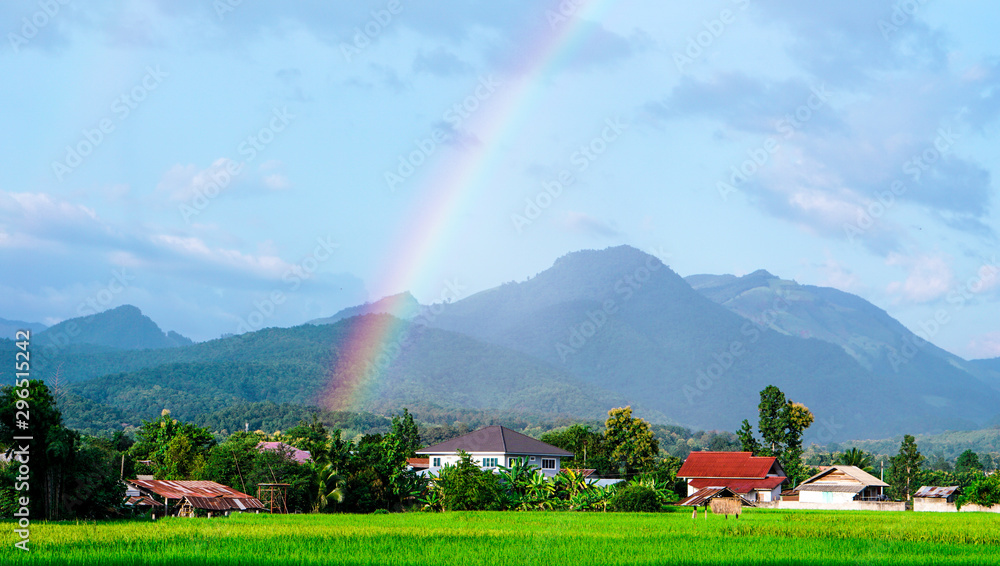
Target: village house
x=496 y=446
x=841 y=484
x=934 y=498
x=299 y=456
x=754 y=478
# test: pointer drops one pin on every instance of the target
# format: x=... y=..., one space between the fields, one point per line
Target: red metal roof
x=176 y=489
x=740 y=486
x=419 y=463
x=733 y=465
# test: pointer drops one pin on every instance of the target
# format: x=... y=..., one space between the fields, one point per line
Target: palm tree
x=330 y=486
x=855 y=457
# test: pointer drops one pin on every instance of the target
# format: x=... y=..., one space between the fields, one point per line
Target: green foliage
x=636 y=498
x=633 y=444
x=467 y=487
x=968 y=461
x=71 y=475
x=905 y=469
x=176 y=449
x=856 y=457
x=781 y=423
x=985 y=491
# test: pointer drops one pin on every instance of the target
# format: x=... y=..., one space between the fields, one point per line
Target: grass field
x=510 y=538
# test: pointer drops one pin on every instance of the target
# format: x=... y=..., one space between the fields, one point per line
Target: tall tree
x=773 y=420
x=177 y=450
x=748 y=441
x=633 y=441
x=905 y=467
x=781 y=423
x=968 y=461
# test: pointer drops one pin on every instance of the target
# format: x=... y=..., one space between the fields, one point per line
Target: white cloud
x=985 y=346
x=929 y=277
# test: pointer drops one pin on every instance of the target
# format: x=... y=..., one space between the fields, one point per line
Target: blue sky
x=209 y=160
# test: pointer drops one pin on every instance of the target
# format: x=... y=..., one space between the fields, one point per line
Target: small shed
x=934 y=498
x=721 y=499
x=190 y=496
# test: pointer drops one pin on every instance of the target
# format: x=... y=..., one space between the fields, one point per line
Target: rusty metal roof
x=734 y=465
x=177 y=489
x=225 y=503
x=142 y=501
x=706 y=494
x=934 y=491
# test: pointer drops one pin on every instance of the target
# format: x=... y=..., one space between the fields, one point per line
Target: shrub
x=636 y=498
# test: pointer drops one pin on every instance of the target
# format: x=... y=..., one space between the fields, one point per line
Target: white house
x=496 y=446
x=841 y=484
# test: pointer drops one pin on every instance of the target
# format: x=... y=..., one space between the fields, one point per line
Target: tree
x=781 y=423
x=588 y=447
x=968 y=461
x=984 y=491
x=177 y=450
x=855 y=457
x=406 y=433
x=748 y=441
x=633 y=441
x=905 y=468
x=773 y=420
x=71 y=475
x=467 y=487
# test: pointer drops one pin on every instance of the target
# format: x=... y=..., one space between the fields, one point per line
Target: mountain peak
x=124 y=327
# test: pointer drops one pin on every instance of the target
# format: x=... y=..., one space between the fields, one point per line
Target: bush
x=636 y=498
x=466 y=487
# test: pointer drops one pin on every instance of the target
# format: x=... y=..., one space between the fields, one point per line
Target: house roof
x=419 y=463
x=742 y=465
x=934 y=491
x=141 y=501
x=300 y=456
x=225 y=503
x=740 y=486
x=177 y=489
x=496 y=439
x=706 y=494
x=857 y=479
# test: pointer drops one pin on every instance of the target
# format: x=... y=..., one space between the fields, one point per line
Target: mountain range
x=597 y=329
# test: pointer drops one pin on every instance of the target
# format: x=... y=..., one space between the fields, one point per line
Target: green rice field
x=512 y=538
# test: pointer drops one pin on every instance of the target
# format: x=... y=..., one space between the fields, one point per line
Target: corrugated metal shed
x=225 y=503
x=141 y=501
x=733 y=465
x=177 y=489
x=934 y=491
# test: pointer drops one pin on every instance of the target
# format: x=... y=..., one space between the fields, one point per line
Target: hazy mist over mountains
x=597 y=329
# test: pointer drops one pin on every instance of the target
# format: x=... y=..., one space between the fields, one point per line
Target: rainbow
x=373 y=342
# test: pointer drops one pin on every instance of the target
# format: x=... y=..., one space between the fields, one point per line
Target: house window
x=548 y=463
x=436 y=462
x=512 y=461
x=489 y=462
